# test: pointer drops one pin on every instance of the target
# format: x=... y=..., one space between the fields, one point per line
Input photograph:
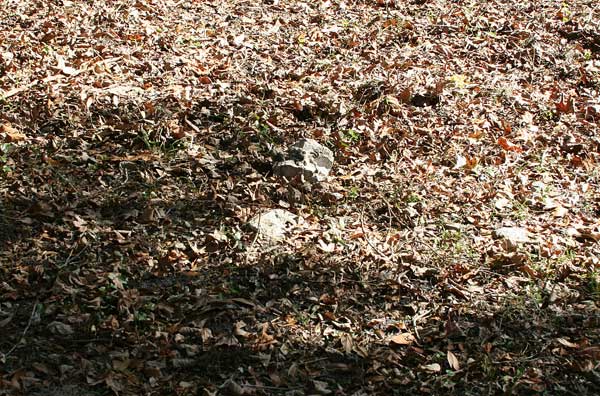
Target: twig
x=3 y=356
x=417 y=317
x=254 y=239
x=362 y=226
x=72 y=258
x=414 y=323
x=192 y=125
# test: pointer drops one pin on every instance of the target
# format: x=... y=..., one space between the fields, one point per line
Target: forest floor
x=137 y=138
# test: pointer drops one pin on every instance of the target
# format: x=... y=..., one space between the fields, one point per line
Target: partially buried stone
x=514 y=235
x=273 y=224
x=308 y=158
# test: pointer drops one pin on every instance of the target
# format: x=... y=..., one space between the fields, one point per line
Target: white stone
x=274 y=223
x=514 y=235
x=308 y=158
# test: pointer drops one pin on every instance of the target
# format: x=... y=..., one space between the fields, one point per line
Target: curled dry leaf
x=567 y=343
x=453 y=361
x=346 y=340
x=321 y=387
x=239 y=330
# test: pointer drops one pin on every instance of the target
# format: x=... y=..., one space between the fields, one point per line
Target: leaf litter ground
x=138 y=137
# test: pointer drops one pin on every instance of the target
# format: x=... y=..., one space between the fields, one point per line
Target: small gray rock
x=59 y=328
x=514 y=235
x=308 y=158
x=273 y=224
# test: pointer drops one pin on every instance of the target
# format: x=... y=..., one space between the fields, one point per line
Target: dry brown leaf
x=239 y=330
x=406 y=95
x=566 y=343
x=565 y=105
x=5 y=321
x=120 y=365
x=11 y=134
x=402 y=339
x=453 y=361
x=321 y=387
x=530 y=271
x=508 y=146
x=326 y=247
x=434 y=367
x=346 y=340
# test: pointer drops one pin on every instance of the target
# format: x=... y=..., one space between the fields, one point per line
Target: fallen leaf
x=326 y=247
x=5 y=321
x=121 y=365
x=453 y=361
x=460 y=161
x=321 y=387
x=566 y=343
x=508 y=146
x=239 y=330
x=565 y=105
x=405 y=95
x=346 y=340
x=11 y=134
x=501 y=203
x=560 y=211
x=434 y=367
x=113 y=383
x=239 y=40
x=403 y=339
